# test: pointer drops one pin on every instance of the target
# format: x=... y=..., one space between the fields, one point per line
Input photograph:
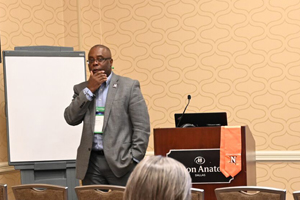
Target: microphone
x=189 y=99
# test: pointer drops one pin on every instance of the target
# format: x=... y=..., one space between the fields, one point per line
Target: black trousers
x=99 y=172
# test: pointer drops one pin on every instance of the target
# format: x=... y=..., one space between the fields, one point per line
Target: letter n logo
x=233 y=159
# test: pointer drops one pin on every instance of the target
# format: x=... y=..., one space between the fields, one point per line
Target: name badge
x=99 y=120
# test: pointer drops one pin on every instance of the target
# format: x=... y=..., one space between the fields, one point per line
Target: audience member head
x=159 y=178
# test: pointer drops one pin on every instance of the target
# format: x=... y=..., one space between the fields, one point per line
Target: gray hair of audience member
x=159 y=178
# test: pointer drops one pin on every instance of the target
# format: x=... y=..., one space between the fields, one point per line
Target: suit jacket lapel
x=112 y=90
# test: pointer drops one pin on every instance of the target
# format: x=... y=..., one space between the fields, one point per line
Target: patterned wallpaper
x=238 y=56
x=232 y=56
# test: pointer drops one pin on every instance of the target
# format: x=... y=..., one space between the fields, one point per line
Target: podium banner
x=230 y=150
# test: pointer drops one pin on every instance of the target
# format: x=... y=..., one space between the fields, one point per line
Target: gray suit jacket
x=126 y=127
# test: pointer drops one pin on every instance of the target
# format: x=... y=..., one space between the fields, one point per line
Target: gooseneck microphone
x=189 y=99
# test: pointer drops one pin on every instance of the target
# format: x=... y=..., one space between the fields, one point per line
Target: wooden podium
x=168 y=139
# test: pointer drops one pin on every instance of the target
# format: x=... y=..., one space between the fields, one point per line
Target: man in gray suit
x=115 y=118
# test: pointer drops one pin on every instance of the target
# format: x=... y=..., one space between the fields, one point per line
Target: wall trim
x=269 y=156
x=292 y=156
x=261 y=156
x=4 y=167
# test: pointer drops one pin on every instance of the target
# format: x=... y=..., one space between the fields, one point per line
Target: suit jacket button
x=89 y=149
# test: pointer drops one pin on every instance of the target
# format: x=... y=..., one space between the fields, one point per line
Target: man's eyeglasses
x=99 y=60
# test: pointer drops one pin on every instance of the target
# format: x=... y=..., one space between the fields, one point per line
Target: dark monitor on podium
x=200 y=119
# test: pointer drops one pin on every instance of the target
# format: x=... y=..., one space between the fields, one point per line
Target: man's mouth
x=96 y=70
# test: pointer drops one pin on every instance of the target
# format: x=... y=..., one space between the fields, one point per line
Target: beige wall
x=239 y=56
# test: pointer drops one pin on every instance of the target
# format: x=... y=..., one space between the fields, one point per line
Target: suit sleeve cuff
x=135 y=160
x=89 y=95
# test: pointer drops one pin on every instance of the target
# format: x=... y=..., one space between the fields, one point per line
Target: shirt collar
x=109 y=79
x=107 y=82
